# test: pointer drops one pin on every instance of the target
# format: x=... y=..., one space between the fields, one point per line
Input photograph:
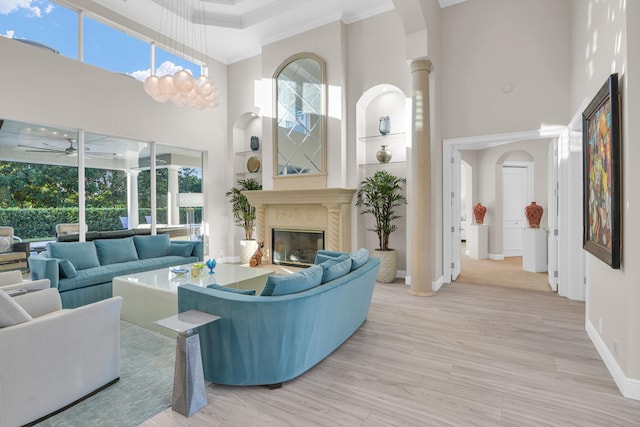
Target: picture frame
x=602 y=175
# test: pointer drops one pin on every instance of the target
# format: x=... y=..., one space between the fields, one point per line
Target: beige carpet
x=507 y=273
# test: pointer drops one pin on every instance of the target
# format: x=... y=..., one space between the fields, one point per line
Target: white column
x=419 y=207
x=132 y=198
x=173 y=215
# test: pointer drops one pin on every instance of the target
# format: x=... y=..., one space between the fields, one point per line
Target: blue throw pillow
x=293 y=283
x=359 y=258
x=181 y=249
x=152 y=246
x=323 y=255
x=82 y=255
x=114 y=251
x=232 y=290
x=335 y=267
x=67 y=270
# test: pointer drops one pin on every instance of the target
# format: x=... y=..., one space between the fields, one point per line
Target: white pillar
x=173 y=215
x=419 y=207
x=132 y=198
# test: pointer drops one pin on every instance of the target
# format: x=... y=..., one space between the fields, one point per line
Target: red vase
x=533 y=212
x=478 y=213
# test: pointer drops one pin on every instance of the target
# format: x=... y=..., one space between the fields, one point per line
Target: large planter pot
x=247 y=249
x=388 y=265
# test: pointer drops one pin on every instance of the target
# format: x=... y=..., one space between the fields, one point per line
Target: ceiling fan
x=71 y=150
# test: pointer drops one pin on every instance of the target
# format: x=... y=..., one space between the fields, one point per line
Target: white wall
x=606 y=39
x=487 y=44
x=43 y=88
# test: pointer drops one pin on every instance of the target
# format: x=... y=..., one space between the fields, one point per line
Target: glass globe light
x=184 y=81
x=150 y=85
x=166 y=86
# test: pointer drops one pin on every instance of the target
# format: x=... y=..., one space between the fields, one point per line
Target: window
x=113 y=50
x=43 y=22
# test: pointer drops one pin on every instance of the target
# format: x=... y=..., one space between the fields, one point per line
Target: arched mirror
x=299 y=122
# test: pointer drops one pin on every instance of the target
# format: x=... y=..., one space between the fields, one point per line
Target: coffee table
x=153 y=295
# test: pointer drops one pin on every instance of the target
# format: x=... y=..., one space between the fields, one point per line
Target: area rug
x=145 y=386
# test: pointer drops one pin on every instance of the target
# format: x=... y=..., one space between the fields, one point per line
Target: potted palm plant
x=381 y=195
x=244 y=215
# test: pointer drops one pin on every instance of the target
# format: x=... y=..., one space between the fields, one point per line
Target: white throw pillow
x=6 y=245
x=10 y=311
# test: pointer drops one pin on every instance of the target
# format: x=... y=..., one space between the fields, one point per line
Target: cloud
x=9 y=34
x=166 y=68
x=10 y=6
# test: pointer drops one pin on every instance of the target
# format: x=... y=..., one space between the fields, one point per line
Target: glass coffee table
x=153 y=295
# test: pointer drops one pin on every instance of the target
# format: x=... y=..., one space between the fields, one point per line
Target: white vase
x=388 y=265
x=247 y=249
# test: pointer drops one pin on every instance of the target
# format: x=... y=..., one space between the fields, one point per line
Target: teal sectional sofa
x=296 y=322
x=82 y=271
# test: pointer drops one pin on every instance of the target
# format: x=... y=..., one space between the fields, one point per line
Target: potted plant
x=380 y=195
x=244 y=215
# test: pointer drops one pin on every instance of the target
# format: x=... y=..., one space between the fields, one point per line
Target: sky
x=48 y=23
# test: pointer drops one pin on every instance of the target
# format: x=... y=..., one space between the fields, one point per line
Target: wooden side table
x=189 y=395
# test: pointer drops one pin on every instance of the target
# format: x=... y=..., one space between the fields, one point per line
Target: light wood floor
x=472 y=355
x=506 y=273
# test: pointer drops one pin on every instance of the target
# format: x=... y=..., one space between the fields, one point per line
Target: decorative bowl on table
x=180 y=271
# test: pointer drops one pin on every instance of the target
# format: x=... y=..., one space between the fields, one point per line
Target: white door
x=455 y=213
x=515 y=196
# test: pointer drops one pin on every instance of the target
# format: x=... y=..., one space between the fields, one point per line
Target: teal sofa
x=82 y=271
x=295 y=323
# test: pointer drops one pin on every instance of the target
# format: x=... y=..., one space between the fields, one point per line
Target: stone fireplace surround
x=322 y=209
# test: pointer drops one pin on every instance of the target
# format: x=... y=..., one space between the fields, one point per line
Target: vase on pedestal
x=533 y=212
x=478 y=213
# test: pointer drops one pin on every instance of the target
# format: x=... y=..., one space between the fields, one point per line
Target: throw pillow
x=323 y=255
x=359 y=258
x=152 y=246
x=181 y=249
x=10 y=311
x=335 y=267
x=82 y=255
x=67 y=270
x=232 y=290
x=6 y=245
x=293 y=283
x=114 y=251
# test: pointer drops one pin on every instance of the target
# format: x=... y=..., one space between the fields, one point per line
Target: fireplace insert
x=296 y=247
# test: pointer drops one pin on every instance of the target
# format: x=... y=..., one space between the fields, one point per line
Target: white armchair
x=11 y=281
x=50 y=357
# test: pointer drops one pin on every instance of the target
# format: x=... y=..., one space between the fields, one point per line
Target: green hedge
x=40 y=223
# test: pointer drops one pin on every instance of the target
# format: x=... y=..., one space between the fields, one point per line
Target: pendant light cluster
x=181 y=88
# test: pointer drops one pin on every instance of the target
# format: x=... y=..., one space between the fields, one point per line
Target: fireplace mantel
x=321 y=209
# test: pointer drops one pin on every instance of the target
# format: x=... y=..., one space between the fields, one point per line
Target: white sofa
x=57 y=357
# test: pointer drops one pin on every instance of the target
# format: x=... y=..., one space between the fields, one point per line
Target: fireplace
x=296 y=247
x=319 y=210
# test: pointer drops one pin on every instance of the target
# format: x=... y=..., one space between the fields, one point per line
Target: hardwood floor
x=472 y=355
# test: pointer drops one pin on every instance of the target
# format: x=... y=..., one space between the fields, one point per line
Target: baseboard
x=629 y=387
x=434 y=285
x=496 y=257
